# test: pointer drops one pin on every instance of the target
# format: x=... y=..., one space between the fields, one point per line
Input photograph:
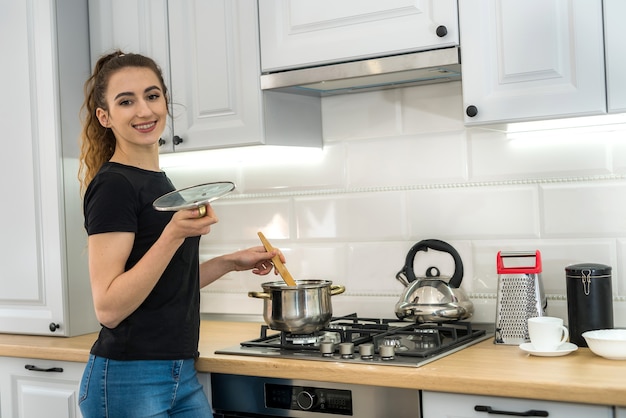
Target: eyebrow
x=128 y=93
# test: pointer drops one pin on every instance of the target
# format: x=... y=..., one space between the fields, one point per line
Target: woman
x=144 y=265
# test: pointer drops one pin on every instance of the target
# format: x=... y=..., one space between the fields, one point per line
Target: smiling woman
x=144 y=264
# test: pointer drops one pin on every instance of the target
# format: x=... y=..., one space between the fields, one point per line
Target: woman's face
x=137 y=109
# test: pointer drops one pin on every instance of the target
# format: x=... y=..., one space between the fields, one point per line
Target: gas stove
x=353 y=339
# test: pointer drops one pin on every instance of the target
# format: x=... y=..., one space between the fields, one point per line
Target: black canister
x=589 y=299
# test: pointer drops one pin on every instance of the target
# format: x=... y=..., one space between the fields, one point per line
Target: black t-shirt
x=166 y=325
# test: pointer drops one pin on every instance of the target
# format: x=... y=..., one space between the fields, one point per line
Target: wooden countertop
x=483 y=369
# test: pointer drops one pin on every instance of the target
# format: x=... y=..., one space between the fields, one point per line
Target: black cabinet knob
x=53 y=327
x=177 y=140
x=471 y=111
x=441 y=31
x=161 y=142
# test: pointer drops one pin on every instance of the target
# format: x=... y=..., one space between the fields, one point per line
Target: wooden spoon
x=282 y=270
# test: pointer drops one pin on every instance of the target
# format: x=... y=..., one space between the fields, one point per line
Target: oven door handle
x=529 y=413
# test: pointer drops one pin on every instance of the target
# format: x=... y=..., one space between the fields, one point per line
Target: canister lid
x=588 y=269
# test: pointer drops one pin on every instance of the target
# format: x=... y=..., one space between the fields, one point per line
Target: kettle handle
x=437 y=245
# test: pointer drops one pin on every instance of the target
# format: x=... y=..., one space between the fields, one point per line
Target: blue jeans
x=142 y=389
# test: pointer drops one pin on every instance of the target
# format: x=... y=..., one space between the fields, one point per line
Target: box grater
x=520 y=295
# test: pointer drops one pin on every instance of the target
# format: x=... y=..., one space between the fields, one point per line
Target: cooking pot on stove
x=433 y=297
x=303 y=309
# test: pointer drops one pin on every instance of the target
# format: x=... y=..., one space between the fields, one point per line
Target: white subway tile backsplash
x=372 y=268
x=240 y=220
x=398 y=166
x=494 y=157
x=327 y=261
x=407 y=160
x=475 y=212
x=325 y=172
x=432 y=108
x=618 y=155
x=356 y=216
x=373 y=114
x=207 y=170
x=584 y=209
x=619 y=269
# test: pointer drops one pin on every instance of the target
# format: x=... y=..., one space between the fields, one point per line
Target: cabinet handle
x=471 y=111
x=53 y=327
x=441 y=31
x=529 y=413
x=39 y=369
x=177 y=140
x=161 y=142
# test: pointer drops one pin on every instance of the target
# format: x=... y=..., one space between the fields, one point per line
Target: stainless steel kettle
x=433 y=298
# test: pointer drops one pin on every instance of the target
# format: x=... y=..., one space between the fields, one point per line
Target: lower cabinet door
x=620 y=412
x=32 y=388
x=449 y=405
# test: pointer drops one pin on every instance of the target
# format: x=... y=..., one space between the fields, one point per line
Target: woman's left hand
x=256 y=259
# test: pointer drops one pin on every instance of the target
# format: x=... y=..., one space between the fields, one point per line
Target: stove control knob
x=305 y=400
x=346 y=350
x=327 y=348
x=366 y=351
x=387 y=352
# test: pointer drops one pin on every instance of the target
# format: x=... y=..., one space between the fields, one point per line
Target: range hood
x=416 y=68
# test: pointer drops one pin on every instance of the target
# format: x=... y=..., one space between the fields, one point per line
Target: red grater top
x=536 y=268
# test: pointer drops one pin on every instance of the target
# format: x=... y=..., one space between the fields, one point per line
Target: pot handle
x=437 y=245
x=336 y=289
x=259 y=295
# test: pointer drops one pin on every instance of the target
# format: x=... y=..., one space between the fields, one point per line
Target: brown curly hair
x=97 y=142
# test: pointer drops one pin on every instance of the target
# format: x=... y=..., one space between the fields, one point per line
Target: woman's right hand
x=192 y=222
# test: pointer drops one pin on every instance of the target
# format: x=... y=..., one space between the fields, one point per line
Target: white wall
x=398 y=166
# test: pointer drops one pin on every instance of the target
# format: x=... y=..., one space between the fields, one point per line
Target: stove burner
x=375 y=340
x=392 y=340
x=297 y=339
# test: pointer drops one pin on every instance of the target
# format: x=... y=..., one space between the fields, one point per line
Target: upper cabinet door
x=215 y=73
x=138 y=26
x=44 y=283
x=297 y=33
x=614 y=35
x=532 y=59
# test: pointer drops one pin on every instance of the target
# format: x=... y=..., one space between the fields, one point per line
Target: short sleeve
x=110 y=205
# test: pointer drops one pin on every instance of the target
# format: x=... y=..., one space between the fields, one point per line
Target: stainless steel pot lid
x=194 y=196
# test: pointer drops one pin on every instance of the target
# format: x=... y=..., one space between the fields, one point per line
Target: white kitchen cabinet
x=44 y=282
x=614 y=35
x=531 y=60
x=211 y=52
x=34 y=388
x=298 y=34
x=620 y=412
x=450 y=405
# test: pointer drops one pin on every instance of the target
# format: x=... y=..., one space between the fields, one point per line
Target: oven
x=250 y=396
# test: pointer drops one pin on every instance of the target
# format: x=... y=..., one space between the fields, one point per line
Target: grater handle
x=518 y=270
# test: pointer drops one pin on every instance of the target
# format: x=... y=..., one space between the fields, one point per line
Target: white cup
x=547 y=333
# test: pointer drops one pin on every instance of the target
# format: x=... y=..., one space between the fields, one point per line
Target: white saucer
x=562 y=350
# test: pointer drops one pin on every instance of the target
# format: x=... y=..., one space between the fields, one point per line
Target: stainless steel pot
x=433 y=298
x=302 y=309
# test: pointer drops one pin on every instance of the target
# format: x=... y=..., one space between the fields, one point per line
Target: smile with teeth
x=145 y=126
